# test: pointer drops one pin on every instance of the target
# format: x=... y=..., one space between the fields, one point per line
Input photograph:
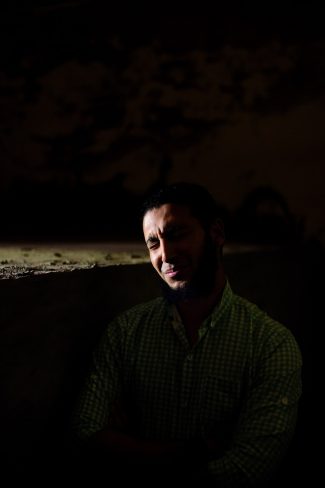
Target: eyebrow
x=166 y=231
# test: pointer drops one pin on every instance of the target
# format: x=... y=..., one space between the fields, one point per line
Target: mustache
x=168 y=267
x=202 y=281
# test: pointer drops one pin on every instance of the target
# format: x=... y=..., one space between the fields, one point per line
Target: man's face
x=180 y=249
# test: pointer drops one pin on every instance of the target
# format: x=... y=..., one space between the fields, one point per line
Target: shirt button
x=190 y=357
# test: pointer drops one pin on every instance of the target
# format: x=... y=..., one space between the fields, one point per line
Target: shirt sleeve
x=102 y=388
x=268 y=418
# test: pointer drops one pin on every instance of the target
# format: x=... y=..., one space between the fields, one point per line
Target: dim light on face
x=175 y=240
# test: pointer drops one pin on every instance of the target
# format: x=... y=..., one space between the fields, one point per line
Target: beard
x=202 y=282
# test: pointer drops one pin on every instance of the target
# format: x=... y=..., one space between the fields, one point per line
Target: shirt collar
x=224 y=305
x=216 y=314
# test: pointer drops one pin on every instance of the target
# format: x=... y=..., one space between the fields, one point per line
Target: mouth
x=174 y=272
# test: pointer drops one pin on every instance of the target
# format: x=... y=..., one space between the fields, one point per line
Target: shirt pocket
x=220 y=401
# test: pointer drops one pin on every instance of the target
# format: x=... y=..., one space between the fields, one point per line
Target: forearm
x=252 y=460
x=136 y=450
x=193 y=454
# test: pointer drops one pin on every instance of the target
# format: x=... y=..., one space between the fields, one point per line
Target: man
x=198 y=384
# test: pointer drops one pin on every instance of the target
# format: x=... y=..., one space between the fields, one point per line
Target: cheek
x=155 y=262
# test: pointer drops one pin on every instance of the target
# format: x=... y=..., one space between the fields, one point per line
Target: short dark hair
x=197 y=198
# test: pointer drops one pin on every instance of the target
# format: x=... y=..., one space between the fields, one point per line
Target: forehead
x=169 y=214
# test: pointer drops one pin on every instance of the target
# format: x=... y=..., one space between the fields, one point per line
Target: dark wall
x=100 y=104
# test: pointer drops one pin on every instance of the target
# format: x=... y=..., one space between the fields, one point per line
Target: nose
x=167 y=251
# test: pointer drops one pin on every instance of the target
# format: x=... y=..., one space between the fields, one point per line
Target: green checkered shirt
x=240 y=383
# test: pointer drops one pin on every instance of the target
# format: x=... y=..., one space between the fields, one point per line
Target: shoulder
x=258 y=319
x=126 y=326
x=140 y=314
x=156 y=306
x=267 y=334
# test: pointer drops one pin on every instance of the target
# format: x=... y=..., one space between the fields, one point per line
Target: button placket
x=186 y=380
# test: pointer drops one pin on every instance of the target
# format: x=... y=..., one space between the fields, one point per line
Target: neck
x=194 y=311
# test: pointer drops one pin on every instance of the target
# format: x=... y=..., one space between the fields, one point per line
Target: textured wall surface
x=98 y=106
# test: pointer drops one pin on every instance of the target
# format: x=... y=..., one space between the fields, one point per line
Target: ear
x=217 y=232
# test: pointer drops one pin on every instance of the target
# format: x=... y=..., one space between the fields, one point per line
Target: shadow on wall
x=108 y=211
x=264 y=217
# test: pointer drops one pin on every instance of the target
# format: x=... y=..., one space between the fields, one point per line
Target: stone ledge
x=26 y=259
x=18 y=261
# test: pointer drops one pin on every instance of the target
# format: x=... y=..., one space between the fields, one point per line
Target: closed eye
x=171 y=234
x=152 y=243
x=176 y=233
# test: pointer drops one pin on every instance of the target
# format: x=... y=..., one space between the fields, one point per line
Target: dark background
x=100 y=103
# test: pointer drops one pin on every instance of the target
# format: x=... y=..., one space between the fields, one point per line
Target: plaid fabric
x=239 y=384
